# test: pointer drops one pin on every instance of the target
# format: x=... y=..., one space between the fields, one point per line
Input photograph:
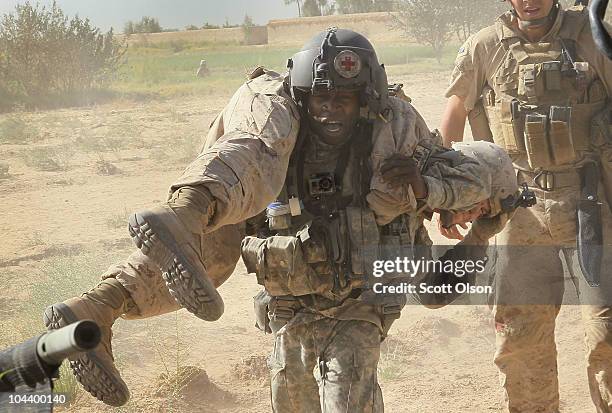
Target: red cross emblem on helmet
x=347 y=64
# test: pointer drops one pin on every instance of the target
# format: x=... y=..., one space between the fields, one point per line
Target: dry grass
x=16 y=130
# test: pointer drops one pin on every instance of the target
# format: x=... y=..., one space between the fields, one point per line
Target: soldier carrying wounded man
x=310 y=176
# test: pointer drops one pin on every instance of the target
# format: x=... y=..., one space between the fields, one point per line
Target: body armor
x=317 y=242
x=543 y=99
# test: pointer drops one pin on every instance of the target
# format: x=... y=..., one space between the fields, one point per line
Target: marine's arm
x=452 y=124
x=467 y=81
x=453 y=181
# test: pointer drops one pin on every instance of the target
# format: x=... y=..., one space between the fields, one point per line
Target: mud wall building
x=378 y=27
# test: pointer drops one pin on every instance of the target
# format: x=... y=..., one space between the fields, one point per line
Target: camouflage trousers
x=536 y=252
x=326 y=366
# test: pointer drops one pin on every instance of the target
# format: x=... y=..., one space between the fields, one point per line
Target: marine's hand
x=398 y=170
x=451 y=232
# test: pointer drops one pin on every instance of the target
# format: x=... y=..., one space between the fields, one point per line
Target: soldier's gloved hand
x=451 y=232
x=398 y=170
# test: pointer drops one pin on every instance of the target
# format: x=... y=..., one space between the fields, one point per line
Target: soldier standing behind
x=537 y=80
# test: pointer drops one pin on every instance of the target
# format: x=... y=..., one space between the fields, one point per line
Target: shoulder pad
x=574 y=19
x=486 y=34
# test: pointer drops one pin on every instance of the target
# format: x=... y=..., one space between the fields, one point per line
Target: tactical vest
x=317 y=240
x=543 y=98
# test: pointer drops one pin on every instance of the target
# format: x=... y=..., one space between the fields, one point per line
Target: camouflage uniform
x=260 y=150
x=331 y=344
x=499 y=66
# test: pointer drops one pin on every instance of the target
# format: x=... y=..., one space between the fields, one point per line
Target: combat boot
x=171 y=236
x=95 y=369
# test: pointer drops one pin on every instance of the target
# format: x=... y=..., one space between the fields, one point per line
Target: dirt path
x=116 y=158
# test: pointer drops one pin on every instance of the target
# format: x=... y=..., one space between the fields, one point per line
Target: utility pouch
x=365 y=240
x=536 y=142
x=583 y=115
x=317 y=248
x=260 y=303
x=510 y=134
x=552 y=75
x=515 y=140
x=560 y=135
x=530 y=82
x=313 y=244
x=280 y=266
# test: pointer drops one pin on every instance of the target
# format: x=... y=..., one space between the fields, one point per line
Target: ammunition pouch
x=561 y=136
x=506 y=121
x=536 y=141
x=272 y=313
x=541 y=105
x=548 y=135
x=282 y=265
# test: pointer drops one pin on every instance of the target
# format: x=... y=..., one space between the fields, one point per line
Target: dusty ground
x=116 y=158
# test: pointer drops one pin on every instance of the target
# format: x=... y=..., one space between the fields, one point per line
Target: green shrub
x=46 y=55
x=15 y=130
x=145 y=25
x=50 y=159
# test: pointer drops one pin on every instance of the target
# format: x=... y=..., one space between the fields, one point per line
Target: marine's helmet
x=339 y=58
x=504 y=186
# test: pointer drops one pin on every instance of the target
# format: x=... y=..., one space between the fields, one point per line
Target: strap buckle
x=391 y=309
x=283 y=309
x=545 y=180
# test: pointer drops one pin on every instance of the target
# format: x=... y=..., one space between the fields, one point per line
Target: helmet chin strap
x=531 y=24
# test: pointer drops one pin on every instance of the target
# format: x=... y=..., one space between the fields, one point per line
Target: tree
x=311 y=8
x=326 y=7
x=363 y=6
x=473 y=15
x=430 y=22
x=148 y=25
x=287 y=2
x=247 y=27
x=128 y=28
x=145 y=25
x=207 y=25
x=228 y=25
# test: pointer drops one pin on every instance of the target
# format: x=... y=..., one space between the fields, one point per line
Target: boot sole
x=189 y=285
x=99 y=379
